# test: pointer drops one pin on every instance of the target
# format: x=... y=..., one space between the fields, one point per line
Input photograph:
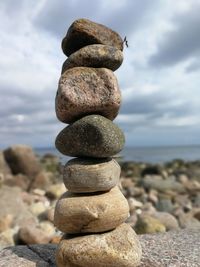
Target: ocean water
x=144 y=154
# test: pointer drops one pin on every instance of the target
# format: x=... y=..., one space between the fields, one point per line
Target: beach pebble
x=84 y=32
x=146 y=224
x=90 y=213
x=91 y=136
x=119 y=247
x=96 y=56
x=83 y=91
x=91 y=175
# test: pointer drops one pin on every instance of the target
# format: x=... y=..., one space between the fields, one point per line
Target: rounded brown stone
x=84 y=32
x=91 y=136
x=83 y=91
x=91 y=175
x=91 y=213
x=96 y=56
x=117 y=248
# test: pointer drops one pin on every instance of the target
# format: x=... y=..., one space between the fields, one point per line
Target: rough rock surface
x=96 y=56
x=91 y=213
x=91 y=136
x=84 y=32
x=21 y=159
x=83 y=91
x=175 y=248
x=91 y=175
x=119 y=246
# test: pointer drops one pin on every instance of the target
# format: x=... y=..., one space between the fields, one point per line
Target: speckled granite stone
x=172 y=249
x=84 y=32
x=83 y=91
x=96 y=56
x=91 y=136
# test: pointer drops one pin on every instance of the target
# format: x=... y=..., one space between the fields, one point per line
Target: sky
x=159 y=77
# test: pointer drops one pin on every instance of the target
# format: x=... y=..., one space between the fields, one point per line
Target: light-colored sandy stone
x=91 y=175
x=91 y=213
x=117 y=248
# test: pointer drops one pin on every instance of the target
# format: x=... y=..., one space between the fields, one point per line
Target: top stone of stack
x=84 y=32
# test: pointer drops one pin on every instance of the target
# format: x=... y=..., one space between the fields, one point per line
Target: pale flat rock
x=119 y=247
x=82 y=175
x=171 y=249
x=91 y=213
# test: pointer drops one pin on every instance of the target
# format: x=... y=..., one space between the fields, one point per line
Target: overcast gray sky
x=159 y=78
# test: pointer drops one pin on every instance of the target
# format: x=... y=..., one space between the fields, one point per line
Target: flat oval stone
x=96 y=56
x=117 y=248
x=91 y=213
x=91 y=175
x=84 y=32
x=91 y=136
x=83 y=91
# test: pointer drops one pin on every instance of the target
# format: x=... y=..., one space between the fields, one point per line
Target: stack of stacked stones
x=93 y=210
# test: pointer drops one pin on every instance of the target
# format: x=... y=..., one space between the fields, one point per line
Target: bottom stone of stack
x=117 y=248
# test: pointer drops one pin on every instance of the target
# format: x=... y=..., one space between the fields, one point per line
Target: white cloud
x=157 y=102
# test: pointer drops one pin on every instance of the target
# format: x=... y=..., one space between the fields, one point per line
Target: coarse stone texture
x=119 y=247
x=21 y=159
x=82 y=175
x=83 y=91
x=91 y=136
x=175 y=248
x=96 y=56
x=84 y=32
x=91 y=213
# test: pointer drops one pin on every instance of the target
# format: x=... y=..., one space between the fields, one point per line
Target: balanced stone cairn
x=93 y=210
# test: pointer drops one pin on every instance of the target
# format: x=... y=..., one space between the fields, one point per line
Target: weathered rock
x=84 y=32
x=91 y=175
x=91 y=136
x=96 y=56
x=21 y=159
x=42 y=180
x=90 y=213
x=147 y=225
x=83 y=91
x=174 y=248
x=119 y=247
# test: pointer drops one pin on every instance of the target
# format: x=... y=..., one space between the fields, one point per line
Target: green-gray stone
x=91 y=136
